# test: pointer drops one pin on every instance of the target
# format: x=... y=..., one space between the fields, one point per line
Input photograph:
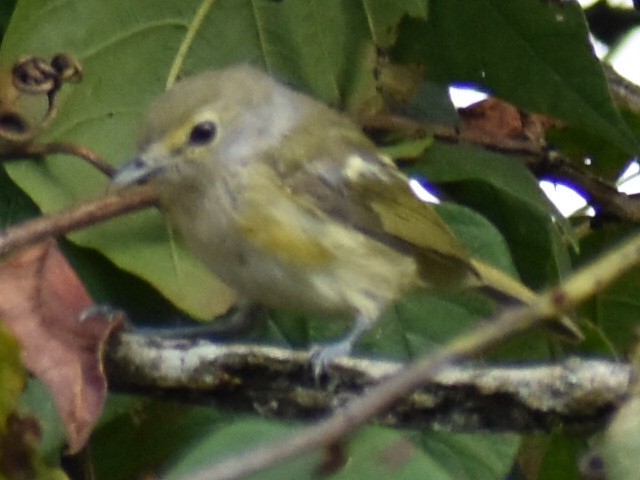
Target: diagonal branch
x=77 y=217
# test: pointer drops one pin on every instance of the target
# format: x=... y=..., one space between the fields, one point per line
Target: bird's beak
x=135 y=172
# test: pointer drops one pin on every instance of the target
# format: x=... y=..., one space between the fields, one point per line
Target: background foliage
x=534 y=54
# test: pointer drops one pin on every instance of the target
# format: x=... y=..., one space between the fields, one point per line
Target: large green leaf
x=375 y=452
x=534 y=54
x=505 y=192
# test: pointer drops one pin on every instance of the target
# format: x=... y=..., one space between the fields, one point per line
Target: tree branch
x=76 y=217
x=279 y=382
x=602 y=194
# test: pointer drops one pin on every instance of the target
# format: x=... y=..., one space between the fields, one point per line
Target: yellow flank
x=289 y=243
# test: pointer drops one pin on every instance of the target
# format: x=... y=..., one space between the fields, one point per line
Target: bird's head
x=215 y=121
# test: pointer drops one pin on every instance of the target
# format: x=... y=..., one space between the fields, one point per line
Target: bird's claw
x=323 y=356
x=99 y=310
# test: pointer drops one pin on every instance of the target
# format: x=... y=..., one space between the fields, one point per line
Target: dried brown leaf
x=500 y=120
x=41 y=300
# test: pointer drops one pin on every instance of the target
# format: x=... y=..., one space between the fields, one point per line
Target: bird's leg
x=322 y=357
x=242 y=318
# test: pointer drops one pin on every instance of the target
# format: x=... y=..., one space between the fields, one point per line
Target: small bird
x=289 y=203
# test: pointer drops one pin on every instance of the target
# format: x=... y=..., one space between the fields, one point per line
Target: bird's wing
x=368 y=193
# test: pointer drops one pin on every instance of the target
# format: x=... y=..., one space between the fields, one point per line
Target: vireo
x=290 y=204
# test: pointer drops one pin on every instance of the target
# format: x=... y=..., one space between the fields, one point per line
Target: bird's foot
x=99 y=310
x=323 y=356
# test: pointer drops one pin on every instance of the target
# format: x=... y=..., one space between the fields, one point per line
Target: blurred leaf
x=38 y=402
x=621 y=442
x=137 y=436
x=536 y=55
x=374 y=451
x=479 y=236
x=605 y=159
x=12 y=375
x=18 y=452
x=431 y=104
x=15 y=206
x=110 y=285
x=385 y=15
x=614 y=310
x=504 y=191
x=6 y=8
x=562 y=457
x=423 y=323
x=238 y=437
x=19 y=432
x=408 y=149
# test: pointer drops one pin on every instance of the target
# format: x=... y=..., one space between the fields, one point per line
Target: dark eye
x=202 y=133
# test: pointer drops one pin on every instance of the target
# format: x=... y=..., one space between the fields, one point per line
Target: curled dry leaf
x=41 y=300
x=500 y=120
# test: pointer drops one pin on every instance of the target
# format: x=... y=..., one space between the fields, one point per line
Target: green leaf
x=6 y=8
x=385 y=15
x=12 y=376
x=561 y=459
x=479 y=236
x=38 y=402
x=536 y=55
x=138 y=436
x=19 y=432
x=504 y=191
x=375 y=452
x=407 y=149
x=613 y=311
x=605 y=158
x=237 y=437
x=15 y=206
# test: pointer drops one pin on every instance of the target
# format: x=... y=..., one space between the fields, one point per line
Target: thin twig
x=72 y=149
x=607 y=200
x=77 y=217
x=543 y=162
x=37 y=150
x=625 y=93
x=577 y=288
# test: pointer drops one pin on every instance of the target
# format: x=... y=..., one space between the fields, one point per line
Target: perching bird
x=290 y=204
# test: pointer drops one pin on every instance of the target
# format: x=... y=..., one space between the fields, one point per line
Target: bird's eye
x=202 y=133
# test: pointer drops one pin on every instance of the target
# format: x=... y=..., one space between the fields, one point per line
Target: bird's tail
x=505 y=285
